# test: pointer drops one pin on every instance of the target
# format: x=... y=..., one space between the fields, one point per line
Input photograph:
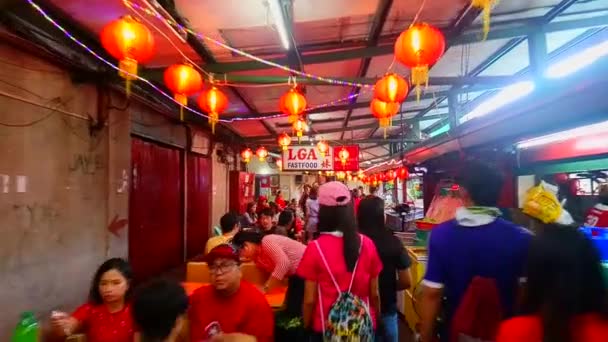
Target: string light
x=160 y=91
x=245 y=54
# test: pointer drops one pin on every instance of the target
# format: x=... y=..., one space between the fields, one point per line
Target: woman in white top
x=312 y=214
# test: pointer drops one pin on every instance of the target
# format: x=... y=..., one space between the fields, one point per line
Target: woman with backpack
x=341 y=269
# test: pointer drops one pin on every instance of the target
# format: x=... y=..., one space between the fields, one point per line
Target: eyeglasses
x=221 y=269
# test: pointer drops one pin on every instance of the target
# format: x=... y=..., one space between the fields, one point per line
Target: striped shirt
x=279 y=255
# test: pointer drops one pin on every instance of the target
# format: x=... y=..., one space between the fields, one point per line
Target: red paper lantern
x=246 y=154
x=384 y=111
x=420 y=47
x=390 y=175
x=214 y=102
x=323 y=148
x=262 y=153
x=183 y=81
x=391 y=88
x=343 y=155
x=299 y=126
x=131 y=43
x=284 y=141
x=382 y=177
x=293 y=104
x=403 y=173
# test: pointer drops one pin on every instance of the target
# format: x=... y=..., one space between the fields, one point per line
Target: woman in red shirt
x=566 y=298
x=107 y=315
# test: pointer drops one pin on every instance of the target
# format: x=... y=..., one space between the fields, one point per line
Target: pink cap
x=334 y=194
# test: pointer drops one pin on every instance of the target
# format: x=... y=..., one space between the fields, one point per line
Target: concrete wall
x=219 y=187
x=62 y=185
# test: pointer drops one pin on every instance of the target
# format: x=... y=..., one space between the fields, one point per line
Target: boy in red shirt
x=230 y=306
x=598 y=215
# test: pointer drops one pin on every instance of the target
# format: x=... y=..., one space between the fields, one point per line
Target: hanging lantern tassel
x=384 y=124
x=183 y=101
x=128 y=70
x=486 y=7
x=292 y=118
x=420 y=76
x=214 y=118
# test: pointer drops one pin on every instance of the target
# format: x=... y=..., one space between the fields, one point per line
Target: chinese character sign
x=352 y=163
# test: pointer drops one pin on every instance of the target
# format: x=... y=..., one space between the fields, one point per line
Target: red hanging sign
x=352 y=163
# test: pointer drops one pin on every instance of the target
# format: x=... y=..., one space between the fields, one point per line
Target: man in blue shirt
x=476 y=243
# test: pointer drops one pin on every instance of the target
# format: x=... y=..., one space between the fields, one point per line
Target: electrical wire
x=127 y=4
x=417 y=16
x=29 y=124
x=37 y=104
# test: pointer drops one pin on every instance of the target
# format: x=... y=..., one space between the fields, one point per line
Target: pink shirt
x=312 y=269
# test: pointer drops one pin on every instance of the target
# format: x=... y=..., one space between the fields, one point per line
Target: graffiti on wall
x=117 y=225
x=86 y=163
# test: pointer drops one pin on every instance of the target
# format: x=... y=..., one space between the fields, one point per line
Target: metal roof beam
x=202 y=50
x=537 y=53
x=379 y=141
x=395 y=122
x=384 y=7
x=499 y=31
x=427 y=96
x=157 y=74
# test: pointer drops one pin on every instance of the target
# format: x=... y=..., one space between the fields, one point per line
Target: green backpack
x=349 y=317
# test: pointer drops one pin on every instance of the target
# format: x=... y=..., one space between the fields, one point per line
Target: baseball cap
x=224 y=251
x=334 y=194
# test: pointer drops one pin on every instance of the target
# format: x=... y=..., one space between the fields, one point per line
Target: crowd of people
x=487 y=279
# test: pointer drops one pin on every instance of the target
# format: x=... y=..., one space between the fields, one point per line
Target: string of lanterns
x=401 y=173
x=418 y=48
x=135 y=46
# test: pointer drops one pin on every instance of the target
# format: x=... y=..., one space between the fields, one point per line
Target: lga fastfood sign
x=307 y=158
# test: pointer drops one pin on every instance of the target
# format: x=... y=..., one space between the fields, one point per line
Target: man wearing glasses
x=230 y=309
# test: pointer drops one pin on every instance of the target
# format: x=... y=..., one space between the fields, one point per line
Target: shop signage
x=352 y=164
x=308 y=158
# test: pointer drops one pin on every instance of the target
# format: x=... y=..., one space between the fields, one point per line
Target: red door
x=155 y=209
x=199 y=202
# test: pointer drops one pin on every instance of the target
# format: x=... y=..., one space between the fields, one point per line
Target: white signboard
x=307 y=158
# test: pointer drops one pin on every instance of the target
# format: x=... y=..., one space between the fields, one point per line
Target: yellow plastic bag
x=542 y=204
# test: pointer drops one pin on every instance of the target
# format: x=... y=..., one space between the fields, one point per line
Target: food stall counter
x=418 y=257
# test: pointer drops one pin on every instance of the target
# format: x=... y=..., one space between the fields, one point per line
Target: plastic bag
x=541 y=203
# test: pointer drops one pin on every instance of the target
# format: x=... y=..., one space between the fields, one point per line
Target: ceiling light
x=577 y=61
x=583 y=131
x=279 y=21
x=503 y=97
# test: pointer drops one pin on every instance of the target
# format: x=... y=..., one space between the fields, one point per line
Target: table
x=275 y=298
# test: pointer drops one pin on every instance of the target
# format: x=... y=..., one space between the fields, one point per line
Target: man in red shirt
x=598 y=215
x=230 y=309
